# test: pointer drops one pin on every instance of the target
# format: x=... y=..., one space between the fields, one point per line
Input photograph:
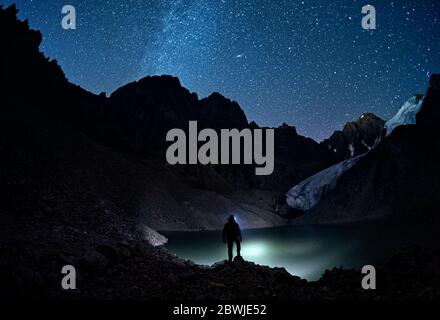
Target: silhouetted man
x=231 y=234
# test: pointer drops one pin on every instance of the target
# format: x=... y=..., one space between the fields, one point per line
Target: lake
x=305 y=251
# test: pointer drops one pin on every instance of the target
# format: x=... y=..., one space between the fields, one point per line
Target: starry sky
x=307 y=63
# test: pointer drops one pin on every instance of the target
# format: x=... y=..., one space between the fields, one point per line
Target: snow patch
x=366 y=145
x=351 y=148
x=406 y=114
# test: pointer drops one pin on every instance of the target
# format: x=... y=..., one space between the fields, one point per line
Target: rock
x=152 y=236
x=216 y=285
x=94 y=260
x=174 y=279
x=238 y=259
x=219 y=264
x=108 y=251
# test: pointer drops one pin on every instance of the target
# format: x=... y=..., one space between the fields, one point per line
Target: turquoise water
x=305 y=251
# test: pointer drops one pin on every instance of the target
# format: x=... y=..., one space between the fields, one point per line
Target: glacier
x=310 y=191
x=406 y=114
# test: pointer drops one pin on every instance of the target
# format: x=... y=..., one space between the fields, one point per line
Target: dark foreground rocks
x=115 y=266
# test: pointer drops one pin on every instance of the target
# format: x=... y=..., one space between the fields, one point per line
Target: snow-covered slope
x=406 y=114
x=309 y=192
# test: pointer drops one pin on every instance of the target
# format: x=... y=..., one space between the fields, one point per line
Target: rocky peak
x=154 y=89
x=253 y=125
x=366 y=119
x=144 y=110
x=356 y=137
x=218 y=112
x=148 y=108
x=287 y=129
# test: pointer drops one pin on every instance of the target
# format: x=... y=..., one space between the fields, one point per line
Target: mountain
x=296 y=158
x=96 y=163
x=142 y=112
x=346 y=148
x=406 y=114
x=126 y=133
x=129 y=127
x=356 y=137
x=308 y=193
x=110 y=150
x=399 y=178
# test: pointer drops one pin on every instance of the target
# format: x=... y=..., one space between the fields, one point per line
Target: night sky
x=307 y=63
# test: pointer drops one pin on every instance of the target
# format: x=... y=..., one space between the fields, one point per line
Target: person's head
x=231 y=218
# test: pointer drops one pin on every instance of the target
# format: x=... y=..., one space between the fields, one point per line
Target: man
x=231 y=234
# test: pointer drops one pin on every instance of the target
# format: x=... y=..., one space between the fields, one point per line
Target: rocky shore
x=115 y=265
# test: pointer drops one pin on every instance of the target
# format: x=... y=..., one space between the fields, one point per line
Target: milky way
x=306 y=63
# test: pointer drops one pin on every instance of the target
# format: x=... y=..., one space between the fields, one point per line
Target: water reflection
x=305 y=251
x=254 y=249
